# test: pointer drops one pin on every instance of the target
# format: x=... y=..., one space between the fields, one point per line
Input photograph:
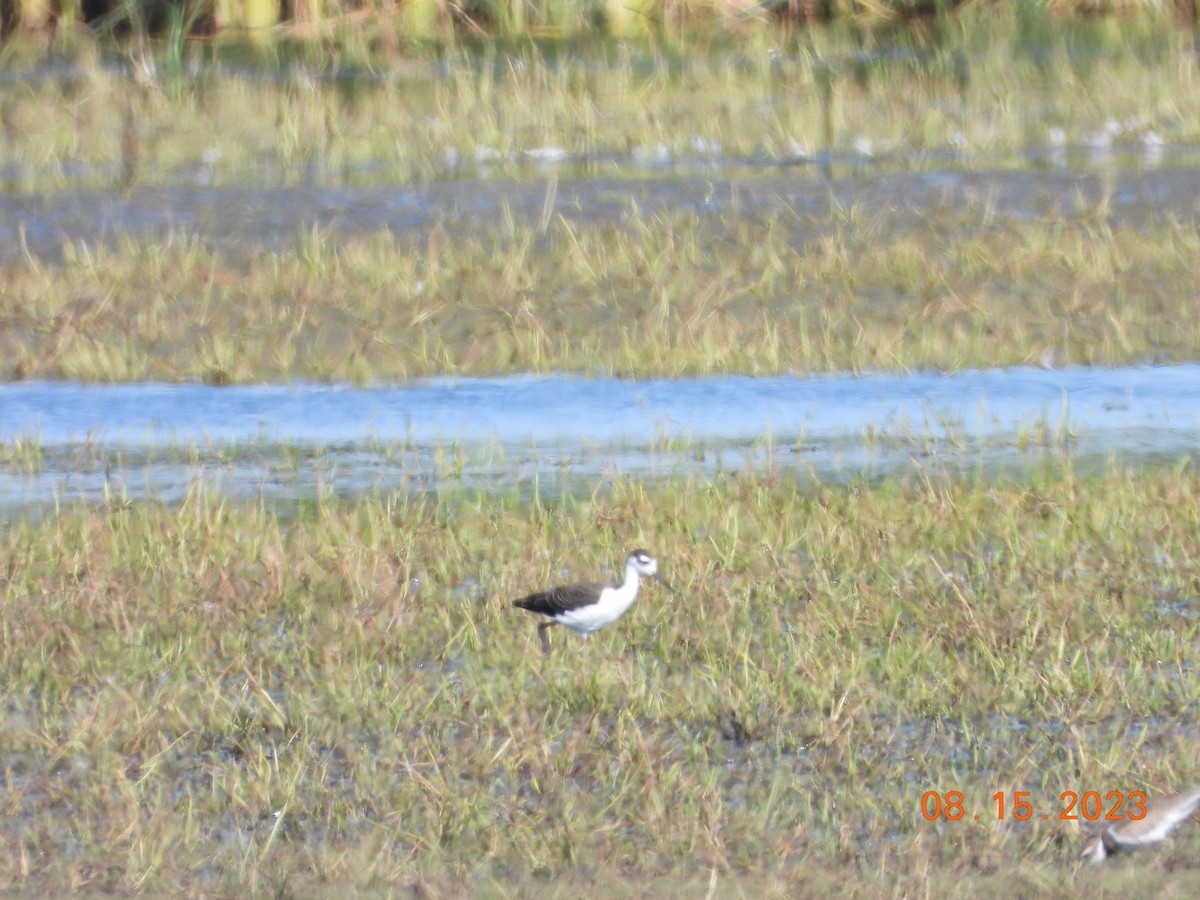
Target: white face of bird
x=644 y=562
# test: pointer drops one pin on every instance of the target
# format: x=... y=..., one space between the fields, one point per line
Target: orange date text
x=1091 y=806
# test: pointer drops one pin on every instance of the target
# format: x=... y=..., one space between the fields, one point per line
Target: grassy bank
x=204 y=697
x=657 y=294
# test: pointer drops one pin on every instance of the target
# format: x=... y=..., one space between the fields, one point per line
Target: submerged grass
x=205 y=697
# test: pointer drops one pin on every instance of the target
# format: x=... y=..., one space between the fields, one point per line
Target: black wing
x=560 y=599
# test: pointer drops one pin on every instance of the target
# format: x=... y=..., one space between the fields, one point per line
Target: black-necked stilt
x=1162 y=817
x=587 y=606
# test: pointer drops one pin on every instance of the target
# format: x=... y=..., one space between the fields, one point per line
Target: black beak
x=665 y=583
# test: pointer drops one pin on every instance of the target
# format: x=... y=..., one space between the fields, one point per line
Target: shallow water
x=71 y=442
x=240 y=218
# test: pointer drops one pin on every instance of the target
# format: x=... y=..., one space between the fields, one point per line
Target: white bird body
x=588 y=606
x=611 y=604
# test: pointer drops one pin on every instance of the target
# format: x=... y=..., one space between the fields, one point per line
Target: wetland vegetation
x=206 y=697
x=661 y=294
x=213 y=698
x=716 y=278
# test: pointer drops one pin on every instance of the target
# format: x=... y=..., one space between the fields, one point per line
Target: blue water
x=158 y=441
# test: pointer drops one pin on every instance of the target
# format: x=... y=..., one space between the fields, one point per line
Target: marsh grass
x=657 y=294
x=345 y=108
x=653 y=292
x=203 y=697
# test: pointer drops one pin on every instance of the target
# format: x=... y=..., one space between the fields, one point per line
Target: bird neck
x=1109 y=843
x=621 y=596
x=631 y=577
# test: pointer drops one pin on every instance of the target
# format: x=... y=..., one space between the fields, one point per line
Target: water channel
x=64 y=443
x=73 y=443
